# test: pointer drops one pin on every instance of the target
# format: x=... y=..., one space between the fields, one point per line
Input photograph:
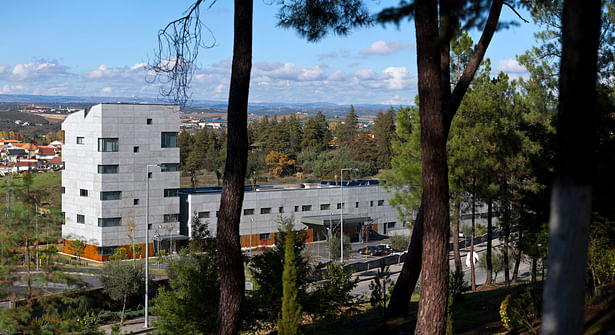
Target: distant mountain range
x=260 y=108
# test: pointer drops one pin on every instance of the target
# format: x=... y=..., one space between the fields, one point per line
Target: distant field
x=53 y=118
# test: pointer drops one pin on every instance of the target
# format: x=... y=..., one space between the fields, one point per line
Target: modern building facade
x=315 y=208
x=107 y=152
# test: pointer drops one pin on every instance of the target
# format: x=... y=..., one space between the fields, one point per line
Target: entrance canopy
x=333 y=220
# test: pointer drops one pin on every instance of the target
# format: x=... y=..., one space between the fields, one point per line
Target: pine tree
x=290 y=315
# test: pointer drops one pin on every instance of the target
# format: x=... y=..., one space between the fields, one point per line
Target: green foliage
x=333 y=295
x=384 y=132
x=316 y=134
x=119 y=254
x=497 y=263
x=267 y=269
x=333 y=244
x=347 y=131
x=481 y=229
x=404 y=181
x=328 y=164
x=601 y=254
x=77 y=247
x=190 y=305
x=380 y=287
x=520 y=312
x=400 y=242
x=290 y=315
x=121 y=280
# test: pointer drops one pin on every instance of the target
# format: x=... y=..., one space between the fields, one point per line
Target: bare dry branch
x=175 y=58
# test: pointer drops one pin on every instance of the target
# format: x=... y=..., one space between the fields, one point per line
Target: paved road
x=366 y=277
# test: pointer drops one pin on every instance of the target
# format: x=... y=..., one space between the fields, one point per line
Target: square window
x=324 y=207
x=248 y=211
x=340 y=205
x=135 y=148
x=149 y=121
x=265 y=210
x=296 y=208
x=149 y=175
x=80 y=218
x=168 y=140
x=306 y=208
x=83 y=193
x=149 y=226
x=380 y=202
x=79 y=140
x=371 y=203
x=108 y=145
x=356 y=204
x=63 y=189
x=281 y=210
x=203 y=215
x=264 y=236
x=135 y=201
x=170 y=192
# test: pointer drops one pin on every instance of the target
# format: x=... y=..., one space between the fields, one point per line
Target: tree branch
x=477 y=56
x=515 y=11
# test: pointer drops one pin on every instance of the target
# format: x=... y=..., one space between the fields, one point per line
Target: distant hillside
x=10 y=101
x=38 y=125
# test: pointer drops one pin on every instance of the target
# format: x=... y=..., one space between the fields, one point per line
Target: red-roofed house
x=45 y=153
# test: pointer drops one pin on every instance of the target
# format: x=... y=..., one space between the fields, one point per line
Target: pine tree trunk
x=410 y=272
x=472 y=269
x=123 y=309
x=571 y=197
x=506 y=228
x=534 y=269
x=517 y=260
x=436 y=231
x=458 y=277
x=230 y=258
x=489 y=279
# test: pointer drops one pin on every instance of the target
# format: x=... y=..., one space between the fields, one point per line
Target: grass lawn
x=47 y=185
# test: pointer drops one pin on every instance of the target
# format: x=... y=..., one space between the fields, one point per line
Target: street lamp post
x=147 y=244
x=342 y=212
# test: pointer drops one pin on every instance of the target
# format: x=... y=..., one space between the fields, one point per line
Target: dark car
x=386 y=248
x=374 y=251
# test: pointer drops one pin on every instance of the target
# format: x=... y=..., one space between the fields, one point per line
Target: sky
x=100 y=48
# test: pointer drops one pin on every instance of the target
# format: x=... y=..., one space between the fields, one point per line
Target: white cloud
x=39 y=69
x=383 y=48
x=106 y=91
x=398 y=77
x=7 y=89
x=138 y=66
x=510 y=66
x=263 y=71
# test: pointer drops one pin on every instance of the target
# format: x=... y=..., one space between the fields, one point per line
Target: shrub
x=520 y=312
x=400 y=242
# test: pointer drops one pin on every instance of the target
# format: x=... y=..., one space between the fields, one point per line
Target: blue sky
x=98 y=48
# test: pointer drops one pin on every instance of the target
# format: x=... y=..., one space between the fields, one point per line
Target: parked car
x=376 y=250
x=371 y=250
x=386 y=248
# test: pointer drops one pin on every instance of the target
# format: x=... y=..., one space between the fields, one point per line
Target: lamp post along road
x=147 y=244
x=342 y=212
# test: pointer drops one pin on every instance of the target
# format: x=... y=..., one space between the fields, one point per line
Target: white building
x=108 y=150
x=316 y=209
x=106 y=153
